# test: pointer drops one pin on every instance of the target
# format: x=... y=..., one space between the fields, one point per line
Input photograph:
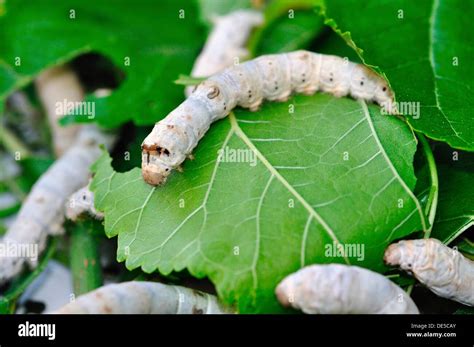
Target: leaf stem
x=85 y=258
x=432 y=203
x=13 y=144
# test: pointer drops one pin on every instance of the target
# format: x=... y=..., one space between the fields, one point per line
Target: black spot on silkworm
x=384 y=89
x=213 y=93
x=303 y=80
x=361 y=83
x=163 y=151
x=197 y=310
x=331 y=79
x=83 y=197
x=148 y=157
x=276 y=88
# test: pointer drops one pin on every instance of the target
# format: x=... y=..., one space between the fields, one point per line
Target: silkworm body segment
x=226 y=43
x=445 y=271
x=343 y=289
x=270 y=77
x=144 y=298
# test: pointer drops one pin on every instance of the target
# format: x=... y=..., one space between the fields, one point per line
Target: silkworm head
x=383 y=94
x=392 y=255
x=284 y=292
x=401 y=254
x=154 y=170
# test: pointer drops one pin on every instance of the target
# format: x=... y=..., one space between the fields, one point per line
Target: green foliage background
x=234 y=208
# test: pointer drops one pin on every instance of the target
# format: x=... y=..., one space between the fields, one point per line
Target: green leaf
x=334 y=170
x=287 y=34
x=288 y=25
x=151 y=44
x=186 y=80
x=455 y=212
x=424 y=49
x=211 y=8
x=466 y=247
x=465 y=310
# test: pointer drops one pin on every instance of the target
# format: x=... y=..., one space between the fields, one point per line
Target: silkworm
x=225 y=43
x=56 y=85
x=343 y=289
x=81 y=203
x=270 y=77
x=445 y=271
x=42 y=212
x=144 y=298
x=27 y=117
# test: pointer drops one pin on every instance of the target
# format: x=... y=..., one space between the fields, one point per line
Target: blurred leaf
x=466 y=247
x=9 y=204
x=287 y=34
x=296 y=16
x=147 y=40
x=208 y=9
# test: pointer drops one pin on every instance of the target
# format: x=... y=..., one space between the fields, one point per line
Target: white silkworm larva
x=443 y=270
x=55 y=87
x=343 y=289
x=42 y=212
x=270 y=77
x=144 y=298
x=29 y=116
x=225 y=43
x=81 y=203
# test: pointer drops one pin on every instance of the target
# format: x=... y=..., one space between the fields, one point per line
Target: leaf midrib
x=239 y=132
